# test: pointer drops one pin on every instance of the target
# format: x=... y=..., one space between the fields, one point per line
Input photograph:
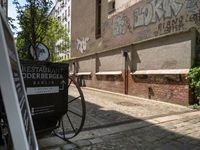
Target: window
x=63 y=17
x=68 y=10
x=68 y=26
x=62 y=4
x=98 y=18
x=111 y=6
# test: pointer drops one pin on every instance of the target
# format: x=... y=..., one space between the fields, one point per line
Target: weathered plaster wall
x=110 y=61
x=85 y=65
x=174 y=52
x=144 y=20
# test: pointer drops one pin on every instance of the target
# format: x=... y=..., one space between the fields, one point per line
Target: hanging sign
x=13 y=92
x=41 y=54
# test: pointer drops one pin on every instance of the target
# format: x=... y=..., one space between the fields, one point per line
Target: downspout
x=125 y=54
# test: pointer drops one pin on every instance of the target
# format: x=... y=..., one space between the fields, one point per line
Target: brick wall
x=170 y=88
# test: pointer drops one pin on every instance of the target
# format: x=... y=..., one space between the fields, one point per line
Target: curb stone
x=82 y=143
x=69 y=146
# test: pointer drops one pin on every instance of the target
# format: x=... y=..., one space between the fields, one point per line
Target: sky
x=12 y=10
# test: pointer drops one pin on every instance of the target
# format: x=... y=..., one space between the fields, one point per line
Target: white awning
x=83 y=73
x=161 y=71
x=109 y=73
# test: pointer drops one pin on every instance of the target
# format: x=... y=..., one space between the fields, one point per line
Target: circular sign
x=42 y=52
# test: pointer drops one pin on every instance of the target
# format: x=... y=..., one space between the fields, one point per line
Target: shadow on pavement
x=175 y=134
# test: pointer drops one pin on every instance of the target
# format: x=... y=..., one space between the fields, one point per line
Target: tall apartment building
x=62 y=11
x=138 y=47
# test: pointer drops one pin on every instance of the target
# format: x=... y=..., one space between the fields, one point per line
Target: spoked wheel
x=73 y=120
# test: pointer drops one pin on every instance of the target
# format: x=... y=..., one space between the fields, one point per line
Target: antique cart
x=56 y=101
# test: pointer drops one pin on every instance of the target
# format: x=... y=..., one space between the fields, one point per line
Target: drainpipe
x=125 y=54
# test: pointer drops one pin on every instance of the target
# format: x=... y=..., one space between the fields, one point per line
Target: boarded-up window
x=174 y=52
x=110 y=62
x=85 y=65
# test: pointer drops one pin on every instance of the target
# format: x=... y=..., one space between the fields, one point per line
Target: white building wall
x=63 y=13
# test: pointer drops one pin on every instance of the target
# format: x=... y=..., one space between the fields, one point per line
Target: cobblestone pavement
x=119 y=122
x=105 y=108
x=179 y=134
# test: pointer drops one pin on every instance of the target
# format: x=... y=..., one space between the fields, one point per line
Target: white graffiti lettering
x=82 y=44
x=156 y=10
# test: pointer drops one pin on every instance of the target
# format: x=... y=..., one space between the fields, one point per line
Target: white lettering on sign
x=42 y=110
x=42 y=76
x=156 y=10
x=42 y=90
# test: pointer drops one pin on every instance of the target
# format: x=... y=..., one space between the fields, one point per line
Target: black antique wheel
x=73 y=120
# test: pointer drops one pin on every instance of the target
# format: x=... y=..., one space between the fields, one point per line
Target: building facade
x=62 y=11
x=4 y=5
x=137 y=47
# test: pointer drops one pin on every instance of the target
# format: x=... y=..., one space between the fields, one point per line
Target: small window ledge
x=83 y=73
x=109 y=73
x=163 y=71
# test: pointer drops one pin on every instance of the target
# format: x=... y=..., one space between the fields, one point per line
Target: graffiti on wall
x=82 y=44
x=194 y=18
x=192 y=6
x=169 y=26
x=177 y=24
x=166 y=14
x=156 y=10
x=120 y=25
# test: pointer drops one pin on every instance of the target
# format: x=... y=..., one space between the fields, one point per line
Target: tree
x=37 y=26
x=56 y=31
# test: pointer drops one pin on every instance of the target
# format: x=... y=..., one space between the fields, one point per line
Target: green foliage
x=56 y=31
x=196 y=106
x=194 y=77
x=22 y=47
x=38 y=27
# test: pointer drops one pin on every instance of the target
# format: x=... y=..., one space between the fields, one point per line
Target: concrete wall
x=110 y=62
x=174 y=52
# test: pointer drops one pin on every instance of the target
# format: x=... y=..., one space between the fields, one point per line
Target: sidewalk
x=116 y=121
